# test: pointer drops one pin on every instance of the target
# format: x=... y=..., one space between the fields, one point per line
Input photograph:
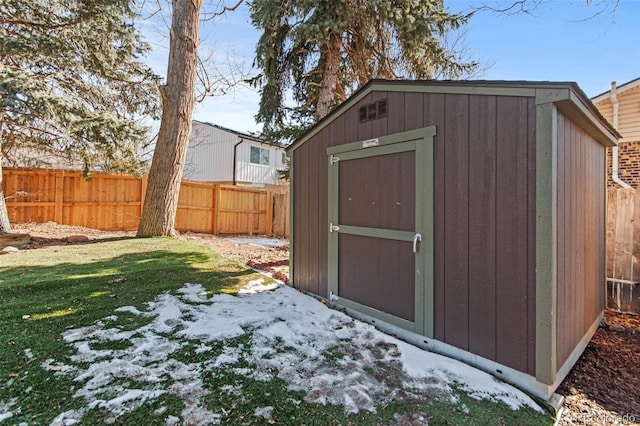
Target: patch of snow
x=28 y=354
x=194 y=293
x=260 y=241
x=131 y=309
x=229 y=355
x=329 y=356
x=5 y=409
x=68 y=418
x=232 y=389
x=172 y=421
x=57 y=367
x=264 y=412
x=257 y=286
x=202 y=348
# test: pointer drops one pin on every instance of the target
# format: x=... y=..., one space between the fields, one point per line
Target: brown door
x=379 y=236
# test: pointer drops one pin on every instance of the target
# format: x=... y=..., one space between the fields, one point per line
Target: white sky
x=292 y=336
x=554 y=44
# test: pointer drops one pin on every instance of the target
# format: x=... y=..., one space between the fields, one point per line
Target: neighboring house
x=29 y=157
x=621 y=106
x=218 y=154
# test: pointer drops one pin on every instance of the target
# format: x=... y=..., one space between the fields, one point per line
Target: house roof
x=241 y=135
x=629 y=85
x=567 y=95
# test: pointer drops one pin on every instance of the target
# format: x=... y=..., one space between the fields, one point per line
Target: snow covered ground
x=260 y=241
x=331 y=357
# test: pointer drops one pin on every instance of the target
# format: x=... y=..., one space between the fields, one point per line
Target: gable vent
x=373 y=111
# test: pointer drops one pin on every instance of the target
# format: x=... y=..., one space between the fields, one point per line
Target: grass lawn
x=47 y=292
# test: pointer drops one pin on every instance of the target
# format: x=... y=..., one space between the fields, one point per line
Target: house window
x=259 y=156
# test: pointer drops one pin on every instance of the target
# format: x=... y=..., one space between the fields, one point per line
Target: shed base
x=516 y=378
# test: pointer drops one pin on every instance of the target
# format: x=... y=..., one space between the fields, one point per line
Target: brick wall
x=628 y=164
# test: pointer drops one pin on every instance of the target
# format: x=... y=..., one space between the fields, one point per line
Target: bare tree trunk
x=178 y=95
x=329 y=77
x=5 y=225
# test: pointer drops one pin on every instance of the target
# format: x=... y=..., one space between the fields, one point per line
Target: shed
x=467 y=217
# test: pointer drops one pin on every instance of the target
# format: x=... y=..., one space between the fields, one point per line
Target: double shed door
x=381 y=228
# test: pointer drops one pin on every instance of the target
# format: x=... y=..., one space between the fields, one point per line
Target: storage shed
x=467 y=217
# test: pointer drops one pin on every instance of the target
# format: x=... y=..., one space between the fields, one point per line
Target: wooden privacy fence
x=114 y=202
x=623 y=234
x=623 y=250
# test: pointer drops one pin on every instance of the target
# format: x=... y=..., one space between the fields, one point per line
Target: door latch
x=333 y=228
x=416 y=238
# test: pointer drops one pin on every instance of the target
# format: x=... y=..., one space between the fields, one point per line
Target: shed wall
x=484 y=218
x=581 y=235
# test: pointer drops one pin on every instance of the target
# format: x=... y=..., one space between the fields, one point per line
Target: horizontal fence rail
x=114 y=201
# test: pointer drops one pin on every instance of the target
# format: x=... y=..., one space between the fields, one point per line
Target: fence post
x=143 y=192
x=59 y=197
x=215 y=211
x=271 y=199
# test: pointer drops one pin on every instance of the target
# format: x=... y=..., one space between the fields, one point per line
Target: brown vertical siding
x=484 y=214
x=387 y=286
x=300 y=191
x=396 y=118
x=531 y=226
x=482 y=239
x=313 y=228
x=379 y=127
x=390 y=199
x=581 y=221
x=456 y=221
x=512 y=233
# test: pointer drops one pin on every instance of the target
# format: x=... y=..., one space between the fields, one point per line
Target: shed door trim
x=420 y=141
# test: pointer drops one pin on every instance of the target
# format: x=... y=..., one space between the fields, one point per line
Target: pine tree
x=321 y=51
x=72 y=83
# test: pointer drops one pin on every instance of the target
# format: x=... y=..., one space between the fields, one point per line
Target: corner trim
x=291 y=220
x=546 y=241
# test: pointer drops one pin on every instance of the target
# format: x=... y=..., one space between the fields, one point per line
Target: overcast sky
x=555 y=43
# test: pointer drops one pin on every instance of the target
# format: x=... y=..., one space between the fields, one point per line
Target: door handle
x=416 y=238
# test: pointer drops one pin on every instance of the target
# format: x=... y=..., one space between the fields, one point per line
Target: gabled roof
x=629 y=85
x=241 y=135
x=567 y=95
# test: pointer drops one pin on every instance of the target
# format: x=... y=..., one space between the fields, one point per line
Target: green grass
x=47 y=291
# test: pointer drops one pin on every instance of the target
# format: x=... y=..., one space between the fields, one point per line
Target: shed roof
x=568 y=96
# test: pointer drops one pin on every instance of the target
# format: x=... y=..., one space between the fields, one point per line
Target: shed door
x=380 y=228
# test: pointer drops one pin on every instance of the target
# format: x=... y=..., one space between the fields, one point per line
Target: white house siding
x=257 y=173
x=210 y=154
x=210 y=158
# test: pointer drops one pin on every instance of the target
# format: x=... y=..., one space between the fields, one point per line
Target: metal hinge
x=333 y=159
x=333 y=296
x=333 y=228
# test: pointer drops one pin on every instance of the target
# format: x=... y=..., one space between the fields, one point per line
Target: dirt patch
x=603 y=386
x=271 y=259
